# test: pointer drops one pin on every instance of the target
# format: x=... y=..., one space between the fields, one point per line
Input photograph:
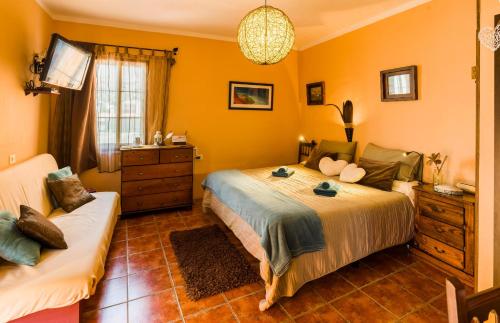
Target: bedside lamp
x=346 y=115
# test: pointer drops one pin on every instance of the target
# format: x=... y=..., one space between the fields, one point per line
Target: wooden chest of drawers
x=156 y=178
x=445 y=231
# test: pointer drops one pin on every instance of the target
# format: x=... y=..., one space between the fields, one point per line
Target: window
x=120 y=102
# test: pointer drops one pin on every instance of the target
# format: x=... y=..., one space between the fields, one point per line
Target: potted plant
x=437 y=163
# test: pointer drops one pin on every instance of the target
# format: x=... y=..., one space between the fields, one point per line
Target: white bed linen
x=357 y=222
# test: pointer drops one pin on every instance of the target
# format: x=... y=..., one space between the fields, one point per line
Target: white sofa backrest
x=26 y=183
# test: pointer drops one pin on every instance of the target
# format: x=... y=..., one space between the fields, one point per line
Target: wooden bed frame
x=305 y=148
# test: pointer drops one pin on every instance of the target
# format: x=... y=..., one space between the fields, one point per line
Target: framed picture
x=399 y=84
x=250 y=96
x=316 y=93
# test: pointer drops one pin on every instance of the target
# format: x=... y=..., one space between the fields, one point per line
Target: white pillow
x=330 y=167
x=352 y=174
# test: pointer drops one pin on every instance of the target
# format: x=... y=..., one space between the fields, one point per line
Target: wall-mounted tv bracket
x=36 y=69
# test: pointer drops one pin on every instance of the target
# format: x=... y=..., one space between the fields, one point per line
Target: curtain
x=72 y=130
x=158 y=80
x=124 y=97
x=120 y=104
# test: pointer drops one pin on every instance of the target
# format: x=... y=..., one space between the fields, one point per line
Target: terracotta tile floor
x=143 y=284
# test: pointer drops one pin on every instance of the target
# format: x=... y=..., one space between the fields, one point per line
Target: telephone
x=177 y=139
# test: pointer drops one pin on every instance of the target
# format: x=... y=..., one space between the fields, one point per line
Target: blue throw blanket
x=287 y=227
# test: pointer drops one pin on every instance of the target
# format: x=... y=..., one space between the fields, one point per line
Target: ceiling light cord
x=265 y=37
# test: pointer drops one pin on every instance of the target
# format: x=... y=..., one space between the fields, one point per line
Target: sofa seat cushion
x=63 y=277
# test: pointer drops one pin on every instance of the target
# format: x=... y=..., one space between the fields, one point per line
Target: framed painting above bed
x=316 y=93
x=251 y=96
x=399 y=84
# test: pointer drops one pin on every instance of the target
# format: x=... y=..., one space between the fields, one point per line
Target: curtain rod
x=174 y=50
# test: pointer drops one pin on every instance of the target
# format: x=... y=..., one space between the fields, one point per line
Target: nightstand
x=445 y=231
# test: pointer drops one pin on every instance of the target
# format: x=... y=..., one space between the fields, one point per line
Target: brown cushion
x=69 y=192
x=315 y=157
x=378 y=174
x=35 y=226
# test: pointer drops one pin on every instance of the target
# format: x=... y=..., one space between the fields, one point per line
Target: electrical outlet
x=12 y=159
x=197 y=155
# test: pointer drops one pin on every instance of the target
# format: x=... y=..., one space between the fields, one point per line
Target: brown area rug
x=209 y=263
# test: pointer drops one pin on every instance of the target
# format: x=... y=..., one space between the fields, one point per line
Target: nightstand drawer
x=156 y=201
x=176 y=155
x=152 y=186
x=441 y=231
x=440 y=211
x=440 y=250
x=133 y=173
x=140 y=157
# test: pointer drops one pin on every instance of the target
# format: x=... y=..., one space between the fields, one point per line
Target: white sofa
x=62 y=277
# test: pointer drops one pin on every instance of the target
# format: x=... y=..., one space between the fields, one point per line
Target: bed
x=359 y=221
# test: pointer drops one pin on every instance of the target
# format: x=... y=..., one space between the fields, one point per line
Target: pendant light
x=266 y=35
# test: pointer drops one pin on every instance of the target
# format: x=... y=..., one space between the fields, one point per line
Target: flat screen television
x=66 y=64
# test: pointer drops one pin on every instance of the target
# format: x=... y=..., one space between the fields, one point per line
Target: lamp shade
x=266 y=35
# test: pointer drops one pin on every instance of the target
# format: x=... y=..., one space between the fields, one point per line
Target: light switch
x=12 y=159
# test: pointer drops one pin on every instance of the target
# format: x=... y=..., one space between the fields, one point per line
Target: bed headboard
x=305 y=149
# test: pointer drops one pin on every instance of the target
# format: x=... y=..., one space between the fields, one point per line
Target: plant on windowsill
x=437 y=164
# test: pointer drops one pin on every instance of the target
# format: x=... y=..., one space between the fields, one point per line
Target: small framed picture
x=399 y=84
x=251 y=96
x=316 y=93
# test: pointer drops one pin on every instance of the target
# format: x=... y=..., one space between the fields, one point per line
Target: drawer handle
x=436 y=208
x=139 y=188
x=140 y=174
x=141 y=158
x=177 y=156
x=439 y=250
x=440 y=230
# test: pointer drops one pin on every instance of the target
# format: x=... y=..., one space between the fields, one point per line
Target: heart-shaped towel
x=330 y=167
x=352 y=174
x=490 y=37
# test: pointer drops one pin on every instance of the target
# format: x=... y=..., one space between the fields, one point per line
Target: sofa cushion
x=35 y=226
x=60 y=173
x=69 y=192
x=14 y=246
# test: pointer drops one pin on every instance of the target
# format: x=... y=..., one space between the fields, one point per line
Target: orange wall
x=487 y=221
x=198 y=101
x=24 y=119
x=438 y=37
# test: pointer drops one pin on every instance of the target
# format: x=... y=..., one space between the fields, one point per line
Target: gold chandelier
x=266 y=35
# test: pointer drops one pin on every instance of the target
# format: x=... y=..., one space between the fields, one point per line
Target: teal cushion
x=60 y=174
x=14 y=246
x=409 y=161
x=344 y=150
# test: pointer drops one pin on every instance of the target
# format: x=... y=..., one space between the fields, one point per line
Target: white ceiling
x=315 y=20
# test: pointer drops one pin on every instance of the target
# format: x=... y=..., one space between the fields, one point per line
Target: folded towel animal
x=328 y=188
x=283 y=171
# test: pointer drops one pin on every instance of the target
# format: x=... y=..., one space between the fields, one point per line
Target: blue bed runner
x=287 y=227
